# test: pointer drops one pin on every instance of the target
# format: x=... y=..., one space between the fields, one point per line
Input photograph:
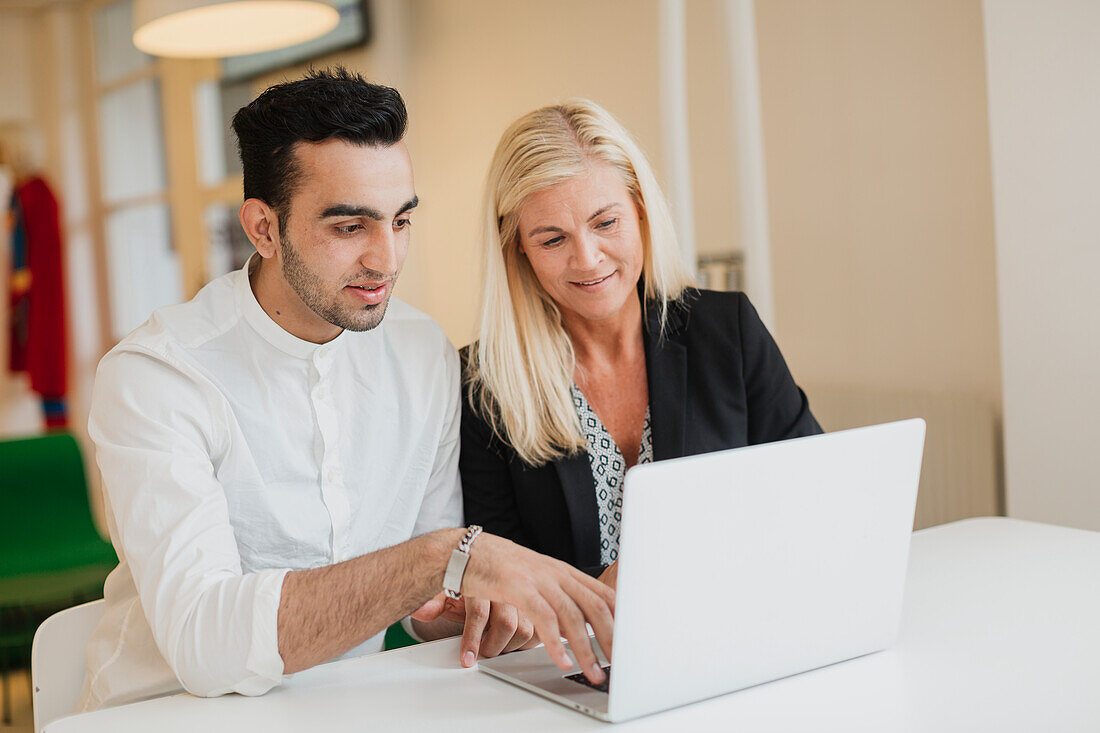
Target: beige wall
x=880 y=194
x=877 y=151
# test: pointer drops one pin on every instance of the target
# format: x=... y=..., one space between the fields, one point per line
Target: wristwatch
x=456 y=567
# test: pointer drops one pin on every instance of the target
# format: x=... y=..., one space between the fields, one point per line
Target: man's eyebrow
x=353 y=210
x=552 y=229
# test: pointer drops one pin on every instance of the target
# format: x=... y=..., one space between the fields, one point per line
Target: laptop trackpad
x=533 y=670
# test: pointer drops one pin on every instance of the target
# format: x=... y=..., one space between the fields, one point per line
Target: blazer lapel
x=666 y=367
x=575 y=474
x=666 y=374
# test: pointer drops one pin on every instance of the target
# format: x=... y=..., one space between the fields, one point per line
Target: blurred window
x=227 y=247
x=215 y=104
x=116 y=56
x=131 y=142
x=142 y=266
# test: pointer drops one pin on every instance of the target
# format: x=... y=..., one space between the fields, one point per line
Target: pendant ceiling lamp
x=219 y=28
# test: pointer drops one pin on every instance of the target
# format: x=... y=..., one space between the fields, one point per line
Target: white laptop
x=801 y=544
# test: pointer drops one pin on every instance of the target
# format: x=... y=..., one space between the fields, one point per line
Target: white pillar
x=672 y=62
x=749 y=150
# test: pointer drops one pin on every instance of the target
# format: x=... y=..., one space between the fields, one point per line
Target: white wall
x=1044 y=104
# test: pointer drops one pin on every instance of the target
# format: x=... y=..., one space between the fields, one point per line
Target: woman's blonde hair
x=519 y=371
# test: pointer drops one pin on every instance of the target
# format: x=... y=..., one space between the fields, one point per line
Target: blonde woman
x=594 y=351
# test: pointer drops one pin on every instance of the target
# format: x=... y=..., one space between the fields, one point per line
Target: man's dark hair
x=326 y=104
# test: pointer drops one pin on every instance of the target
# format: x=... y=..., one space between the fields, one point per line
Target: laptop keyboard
x=602 y=687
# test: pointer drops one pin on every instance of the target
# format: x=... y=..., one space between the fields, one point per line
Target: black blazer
x=716 y=381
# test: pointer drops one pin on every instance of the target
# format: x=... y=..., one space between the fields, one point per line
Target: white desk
x=1001 y=632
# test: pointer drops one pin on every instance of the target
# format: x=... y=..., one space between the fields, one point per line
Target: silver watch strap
x=456 y=566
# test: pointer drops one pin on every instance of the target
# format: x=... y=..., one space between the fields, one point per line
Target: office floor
x=22 y=718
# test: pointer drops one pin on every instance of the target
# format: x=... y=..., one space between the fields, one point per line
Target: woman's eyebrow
x=545 y=230
x=549 y=229
x=603 y=210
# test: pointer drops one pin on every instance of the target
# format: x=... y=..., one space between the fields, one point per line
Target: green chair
x=51 y=556
x=397 y=637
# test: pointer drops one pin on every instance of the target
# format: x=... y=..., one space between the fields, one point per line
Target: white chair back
x=58 y=661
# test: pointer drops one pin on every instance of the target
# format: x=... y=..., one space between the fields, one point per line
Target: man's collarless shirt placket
x=333 y=489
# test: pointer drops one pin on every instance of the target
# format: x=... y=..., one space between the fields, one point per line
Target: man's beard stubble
x=312 y=292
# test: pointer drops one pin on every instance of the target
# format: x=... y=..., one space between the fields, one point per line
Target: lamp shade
x=217 y=28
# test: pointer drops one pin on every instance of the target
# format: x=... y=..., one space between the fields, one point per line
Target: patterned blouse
x=608 y=470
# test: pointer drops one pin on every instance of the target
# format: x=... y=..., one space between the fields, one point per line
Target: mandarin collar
x=271 y=331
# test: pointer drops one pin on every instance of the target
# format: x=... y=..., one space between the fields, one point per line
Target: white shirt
x=232 y=452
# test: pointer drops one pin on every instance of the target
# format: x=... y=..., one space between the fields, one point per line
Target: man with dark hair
x=280 y=453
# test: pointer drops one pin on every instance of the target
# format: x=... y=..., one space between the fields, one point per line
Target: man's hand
x=556 y=597
x=325 y=611
x=488 y=628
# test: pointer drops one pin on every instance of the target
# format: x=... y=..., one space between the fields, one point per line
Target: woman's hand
x=610 y=576
x=488 y=629
x=492 y=629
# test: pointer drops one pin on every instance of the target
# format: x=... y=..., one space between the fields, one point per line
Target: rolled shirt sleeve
x=157 y=436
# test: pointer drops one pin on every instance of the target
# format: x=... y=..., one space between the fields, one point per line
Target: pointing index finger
x=477 y=615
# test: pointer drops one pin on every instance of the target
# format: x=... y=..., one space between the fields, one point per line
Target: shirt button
x=322 y=393
x=323 y=351
x=331 y=477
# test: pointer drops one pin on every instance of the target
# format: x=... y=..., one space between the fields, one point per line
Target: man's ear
x=261 y=226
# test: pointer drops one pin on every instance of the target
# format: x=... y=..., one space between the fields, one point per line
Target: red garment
x=39 y=346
